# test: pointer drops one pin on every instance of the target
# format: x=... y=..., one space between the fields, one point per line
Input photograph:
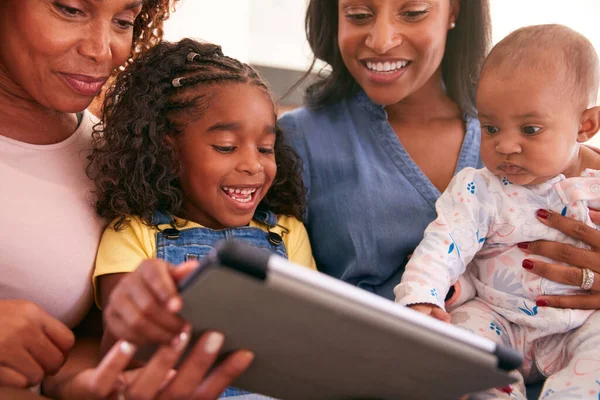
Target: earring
x=452 y=25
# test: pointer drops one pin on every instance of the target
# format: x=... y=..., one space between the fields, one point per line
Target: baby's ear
x=590 y=123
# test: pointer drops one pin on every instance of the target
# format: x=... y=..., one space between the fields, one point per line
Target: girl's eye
x=414 y=15
x=530 y=129
x=224 y=149
x=489 y=129
x=67 y=11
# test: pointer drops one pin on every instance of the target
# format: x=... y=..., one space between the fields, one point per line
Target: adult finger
x=151 y=378
x=200 y=359
x=57 y=332
x=46 y=354
x=12 y=378
x=595 y=216
x=570 y=227
x=580 y=301
x=559 y=273
x=106 y=375
x=562 y=252
x=24 y=363
x=224 y=375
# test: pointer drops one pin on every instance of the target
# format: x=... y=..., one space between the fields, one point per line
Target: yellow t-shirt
x=122 y=251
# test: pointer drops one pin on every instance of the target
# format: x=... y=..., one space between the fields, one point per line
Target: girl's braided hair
x=134 y=168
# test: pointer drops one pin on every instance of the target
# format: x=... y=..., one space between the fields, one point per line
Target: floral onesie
x=481 y=219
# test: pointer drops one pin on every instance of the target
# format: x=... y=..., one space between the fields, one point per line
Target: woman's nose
x=96 y=44
x=383 y=36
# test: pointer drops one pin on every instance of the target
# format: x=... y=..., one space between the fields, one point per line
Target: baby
x=536 y=98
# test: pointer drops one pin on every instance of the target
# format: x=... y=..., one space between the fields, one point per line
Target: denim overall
x=176 y=246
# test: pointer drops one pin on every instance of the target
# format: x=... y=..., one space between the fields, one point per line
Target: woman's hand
x=157 y=380
x=32 y=343
x=576 y=257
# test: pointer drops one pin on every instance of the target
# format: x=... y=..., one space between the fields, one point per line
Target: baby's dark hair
x=133 y=165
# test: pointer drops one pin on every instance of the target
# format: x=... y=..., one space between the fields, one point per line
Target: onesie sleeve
x=464 y=214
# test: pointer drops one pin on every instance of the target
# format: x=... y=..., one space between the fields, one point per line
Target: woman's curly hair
x=148 y=26
x=135 y=169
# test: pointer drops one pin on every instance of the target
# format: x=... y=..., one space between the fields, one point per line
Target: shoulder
x=133 y=226
x=307 y=119
x=290 y=223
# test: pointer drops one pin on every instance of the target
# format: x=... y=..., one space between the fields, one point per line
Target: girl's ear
x=590 y=123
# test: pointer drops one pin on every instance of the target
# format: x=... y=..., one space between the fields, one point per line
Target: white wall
x=271 y=32
x=224 y=22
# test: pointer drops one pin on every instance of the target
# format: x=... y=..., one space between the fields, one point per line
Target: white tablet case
x=316 y=337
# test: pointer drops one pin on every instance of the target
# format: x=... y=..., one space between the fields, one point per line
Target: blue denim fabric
x=368 y=202
x=195 y=243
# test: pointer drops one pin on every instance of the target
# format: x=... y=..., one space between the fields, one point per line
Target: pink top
x=49 y=231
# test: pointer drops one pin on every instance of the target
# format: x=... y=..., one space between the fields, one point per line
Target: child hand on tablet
x=143 y=308
x=189 y=154
x=536 y=101
x=431 y=310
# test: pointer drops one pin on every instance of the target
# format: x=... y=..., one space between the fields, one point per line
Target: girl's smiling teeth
x=241 y=195
x=387 y=66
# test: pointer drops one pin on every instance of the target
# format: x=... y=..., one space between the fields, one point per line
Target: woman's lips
x=84 y=84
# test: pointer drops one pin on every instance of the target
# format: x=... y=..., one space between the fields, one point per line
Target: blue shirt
x=368 y=202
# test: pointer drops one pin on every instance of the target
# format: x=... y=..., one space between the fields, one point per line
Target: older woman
x=55 y=57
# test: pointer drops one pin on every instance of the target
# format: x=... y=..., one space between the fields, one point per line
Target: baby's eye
x=489 y=129
x=530 y=129
x=224 y=149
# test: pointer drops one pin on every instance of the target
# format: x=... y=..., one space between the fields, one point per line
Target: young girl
x=189 y=154
x=536 y=100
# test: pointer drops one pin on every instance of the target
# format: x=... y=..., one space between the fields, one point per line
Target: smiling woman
x=55 y=56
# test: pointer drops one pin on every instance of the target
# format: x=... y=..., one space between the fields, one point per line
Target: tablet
x=316 y=337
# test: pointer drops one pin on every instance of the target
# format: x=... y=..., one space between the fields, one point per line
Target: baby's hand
x=432 y=310
x=143 y=306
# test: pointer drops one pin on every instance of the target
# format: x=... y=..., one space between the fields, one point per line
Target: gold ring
x=587 y=281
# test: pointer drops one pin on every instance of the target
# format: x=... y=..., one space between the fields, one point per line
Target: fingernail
x=507 y=389
x=180 y=341
x=528 y=264
x=214 y=341
x=543 y=214
x=523 y=245
x=174 y=304
x=244 y=359
x=541 y=303
x=126 y=348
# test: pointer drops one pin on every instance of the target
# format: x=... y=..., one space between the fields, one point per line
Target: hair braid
x=134 y=167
